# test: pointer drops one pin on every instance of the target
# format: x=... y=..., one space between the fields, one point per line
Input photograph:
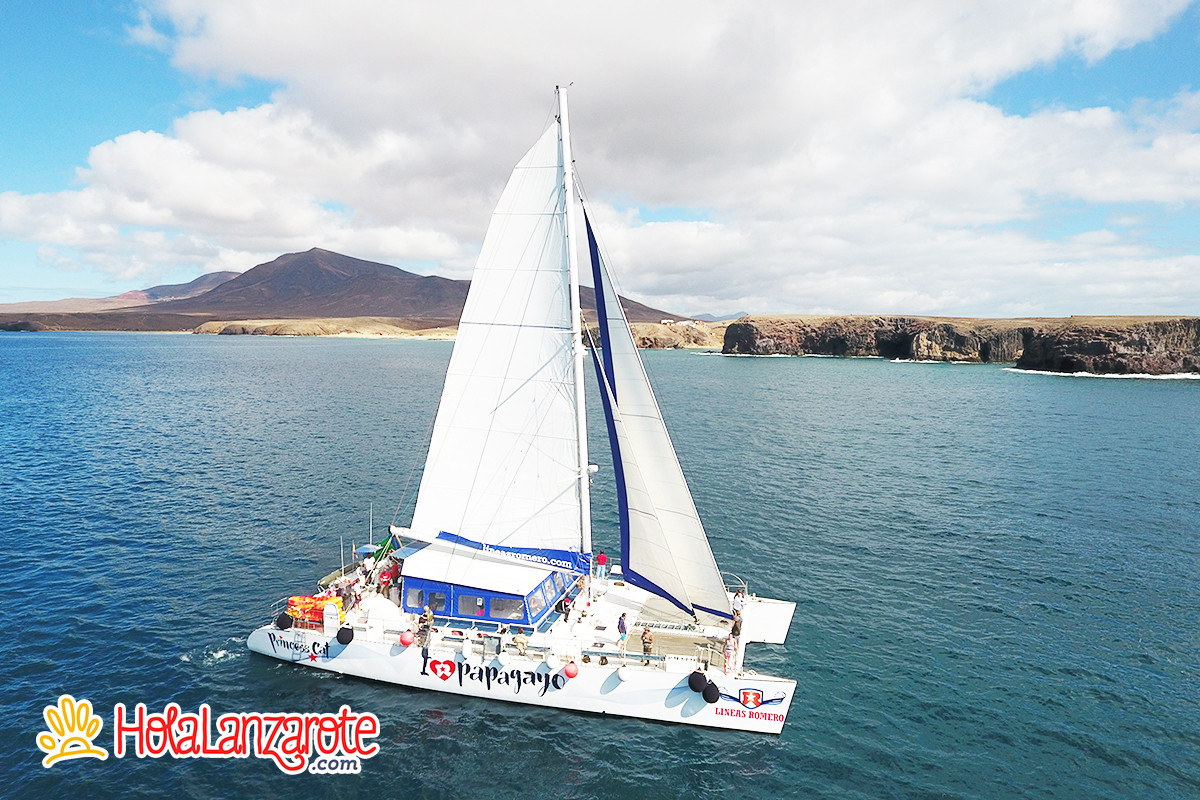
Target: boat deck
x=589 y=631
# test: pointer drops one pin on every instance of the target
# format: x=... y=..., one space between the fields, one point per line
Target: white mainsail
x=664 y=547
x=504 y=459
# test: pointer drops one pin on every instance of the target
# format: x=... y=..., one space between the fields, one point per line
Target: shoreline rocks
x=1152 y=347
x=1102 y=345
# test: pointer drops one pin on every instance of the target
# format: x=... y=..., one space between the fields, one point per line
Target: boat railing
x=340 y=572
x=734 y=582
x=710 y=657
x=277 y=608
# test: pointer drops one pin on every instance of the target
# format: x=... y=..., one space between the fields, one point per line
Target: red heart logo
x=443 y=669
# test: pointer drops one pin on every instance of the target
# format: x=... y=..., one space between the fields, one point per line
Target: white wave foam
x=931 y=361
x=756 y=355
x=1174 y=376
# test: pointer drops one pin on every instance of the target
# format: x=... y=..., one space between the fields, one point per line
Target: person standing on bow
x=739 y=602
x=601 y=566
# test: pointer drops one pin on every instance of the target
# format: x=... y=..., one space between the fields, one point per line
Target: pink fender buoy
x=570 y=670
x=406 y=638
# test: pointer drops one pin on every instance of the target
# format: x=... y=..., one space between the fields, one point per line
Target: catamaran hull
x=755 y=703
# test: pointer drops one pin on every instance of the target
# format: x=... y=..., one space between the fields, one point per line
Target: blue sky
x=1024 y=158
x=71 y=76
x=1150 y=71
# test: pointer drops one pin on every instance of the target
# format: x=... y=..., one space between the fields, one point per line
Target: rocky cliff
x=1116 y=346
x=1106 y=345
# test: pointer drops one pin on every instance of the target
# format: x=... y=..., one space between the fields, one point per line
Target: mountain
x=137 y=297
x=320 y=283
x=314 y=284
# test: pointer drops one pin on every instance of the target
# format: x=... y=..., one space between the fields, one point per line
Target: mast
x=585 y=506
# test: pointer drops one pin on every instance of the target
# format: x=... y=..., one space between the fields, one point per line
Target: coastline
x=1100 y=345
x=347 y=327
x=648 y=335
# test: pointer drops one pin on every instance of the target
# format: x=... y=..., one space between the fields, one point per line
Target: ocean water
x=997 y=573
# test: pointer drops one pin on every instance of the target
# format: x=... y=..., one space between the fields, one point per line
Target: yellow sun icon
x=72 y=728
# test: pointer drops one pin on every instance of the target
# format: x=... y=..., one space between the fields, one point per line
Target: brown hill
x=314 y=284
x=320 y=283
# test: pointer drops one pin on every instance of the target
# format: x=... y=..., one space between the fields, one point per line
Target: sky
x=994 y=159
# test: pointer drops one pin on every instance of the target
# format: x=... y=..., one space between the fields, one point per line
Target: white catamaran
x=493 y=590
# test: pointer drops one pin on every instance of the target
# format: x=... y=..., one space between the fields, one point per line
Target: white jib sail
x=666 y=544
x=503 y=465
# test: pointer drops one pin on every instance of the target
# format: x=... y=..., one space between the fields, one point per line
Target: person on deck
x=647 y=644
x=601 y=566
x=621 y=629
x=424 y=625
x=520 y=641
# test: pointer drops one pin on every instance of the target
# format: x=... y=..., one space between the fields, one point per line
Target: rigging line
x=613 y=275
x=420 y=459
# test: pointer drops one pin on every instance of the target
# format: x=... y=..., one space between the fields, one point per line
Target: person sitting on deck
x=521 y=641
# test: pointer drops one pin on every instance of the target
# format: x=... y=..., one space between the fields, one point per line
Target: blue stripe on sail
x=627 y=572
x=601 y=307
x=618 y=464
x=638 y=580
x=715 y=612
x=546 y=557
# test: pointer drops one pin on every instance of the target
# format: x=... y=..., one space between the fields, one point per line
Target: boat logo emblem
x=753 y=698
x=72 y=729
x=443 y=669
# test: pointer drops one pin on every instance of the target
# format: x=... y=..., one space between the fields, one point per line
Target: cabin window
x=506 y=608
x=415 y=598
x=437 y=601
x=470 y=605
x=558 y=582
x=537 y=604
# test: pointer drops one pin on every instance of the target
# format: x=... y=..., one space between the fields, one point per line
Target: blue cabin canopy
x=483 y=589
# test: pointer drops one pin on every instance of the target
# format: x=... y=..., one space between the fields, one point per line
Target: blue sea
x=997 y=574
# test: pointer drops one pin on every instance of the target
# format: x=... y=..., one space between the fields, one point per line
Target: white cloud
x=839 y=153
